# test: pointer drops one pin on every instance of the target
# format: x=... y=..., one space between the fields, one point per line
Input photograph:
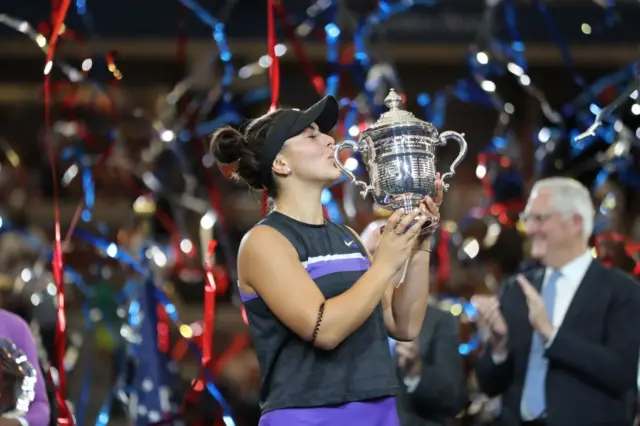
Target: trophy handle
x=444 y=137
x=336 y=155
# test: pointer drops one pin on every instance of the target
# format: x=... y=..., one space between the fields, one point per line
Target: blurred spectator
x=563 y=338
x=15 y=329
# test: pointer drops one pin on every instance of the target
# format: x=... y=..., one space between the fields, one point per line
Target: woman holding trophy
x=23 y=397
x=319 y=307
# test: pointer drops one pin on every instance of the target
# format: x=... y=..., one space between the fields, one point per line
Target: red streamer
x=483 y=161
x=64 y=414
x=162 y=329
x=209 y=307
x=239 y=343
x=274 y=68
x=264 y=207
x=205 y=343
x=274 y=75
x=631 y=248
x=316 y=81
x=444 y=263
x=506 y=213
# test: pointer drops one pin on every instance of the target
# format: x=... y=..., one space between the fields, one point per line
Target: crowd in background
x=441 y=383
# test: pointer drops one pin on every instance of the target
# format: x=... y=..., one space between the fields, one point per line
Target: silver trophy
x=17 y=380
x=399 y=153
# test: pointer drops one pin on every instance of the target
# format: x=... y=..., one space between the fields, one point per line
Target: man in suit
x=564 y=337
x=430 y=368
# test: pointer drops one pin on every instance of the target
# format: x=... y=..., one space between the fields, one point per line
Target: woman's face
x=309 y=157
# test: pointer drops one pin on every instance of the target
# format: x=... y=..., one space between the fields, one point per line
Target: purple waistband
x=379 y=412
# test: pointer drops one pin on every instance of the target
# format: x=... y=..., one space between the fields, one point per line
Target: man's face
x=548 y=229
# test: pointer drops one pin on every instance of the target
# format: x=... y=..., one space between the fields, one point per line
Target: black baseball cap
x=291 y=122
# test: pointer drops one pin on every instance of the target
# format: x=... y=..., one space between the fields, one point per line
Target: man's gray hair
x=569 y=197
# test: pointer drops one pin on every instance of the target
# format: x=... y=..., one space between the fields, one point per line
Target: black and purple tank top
x=353 y=384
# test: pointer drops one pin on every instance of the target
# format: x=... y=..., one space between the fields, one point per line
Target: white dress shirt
x=572 y=275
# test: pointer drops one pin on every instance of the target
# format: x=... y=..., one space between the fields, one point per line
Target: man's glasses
x=535 y=217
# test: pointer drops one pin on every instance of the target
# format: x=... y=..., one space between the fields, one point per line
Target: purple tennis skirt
x=379 y=412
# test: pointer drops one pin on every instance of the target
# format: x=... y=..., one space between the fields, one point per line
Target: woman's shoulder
x=265 y=241
x=10 y=317
x=285 y=233
x=13 y=323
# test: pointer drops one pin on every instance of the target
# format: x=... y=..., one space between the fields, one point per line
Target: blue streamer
x=257 y=95
x=350 y=118
x=134 y=318
x=87 y=377
x=85 y=16
x=80 y=158
x=559 y=40
x=332 y=32
x=517 y=46
x=312 y=13
x=332 y=208
x=104 y=415
x=468 y=309
x=219 y=37
x=77 y=279
x=360 y=51
x=170 y=309
x=112 y=250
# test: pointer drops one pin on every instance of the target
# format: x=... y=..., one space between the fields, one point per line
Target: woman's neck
x=305 y=207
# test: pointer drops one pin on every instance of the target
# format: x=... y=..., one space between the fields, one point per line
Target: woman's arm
x=405 y=306
x=269 y=266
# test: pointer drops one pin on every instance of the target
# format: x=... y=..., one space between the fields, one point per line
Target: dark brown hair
x=244 y=148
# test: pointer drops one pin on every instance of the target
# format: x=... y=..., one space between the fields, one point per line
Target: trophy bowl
x=399 y=153
x=17 y=380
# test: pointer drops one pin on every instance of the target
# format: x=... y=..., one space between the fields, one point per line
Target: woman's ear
x=280 y=166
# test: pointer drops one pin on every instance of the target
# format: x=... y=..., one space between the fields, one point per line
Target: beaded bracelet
x=318 y=321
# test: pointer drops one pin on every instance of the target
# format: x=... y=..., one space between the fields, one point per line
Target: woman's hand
x=398 y=238
x=430 y=207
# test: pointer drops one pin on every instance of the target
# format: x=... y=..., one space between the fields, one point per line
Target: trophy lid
x=398 y=117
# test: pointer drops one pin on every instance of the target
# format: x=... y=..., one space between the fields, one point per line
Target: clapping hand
x=538 y=316
x=489 y=315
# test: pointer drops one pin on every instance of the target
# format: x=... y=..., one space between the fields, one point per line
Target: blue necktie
x=533 y=394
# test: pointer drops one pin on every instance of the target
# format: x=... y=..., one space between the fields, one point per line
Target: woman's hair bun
x=227 y=145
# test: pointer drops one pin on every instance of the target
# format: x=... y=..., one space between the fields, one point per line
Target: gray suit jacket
x=442 y=391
